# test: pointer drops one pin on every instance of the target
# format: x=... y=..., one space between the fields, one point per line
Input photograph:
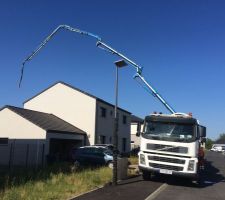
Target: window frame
x=4 y=141
x=124 y=119
x=103 y=112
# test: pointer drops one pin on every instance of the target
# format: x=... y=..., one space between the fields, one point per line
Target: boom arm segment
x=104 y=46
x=46 y=40
x=138 y=75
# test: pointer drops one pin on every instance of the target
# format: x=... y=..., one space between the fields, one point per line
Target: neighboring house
x=27 y=137
x=135 y=123
x=90 y=113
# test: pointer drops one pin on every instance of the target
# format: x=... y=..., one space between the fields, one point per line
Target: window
x=124 y=119
x=102 y=139
x=124 y=144
x=4 y=141
x=103 y=112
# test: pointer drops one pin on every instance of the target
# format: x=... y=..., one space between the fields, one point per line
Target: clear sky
x=180 y=44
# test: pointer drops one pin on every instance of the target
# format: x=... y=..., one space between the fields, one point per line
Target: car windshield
x=169 y=131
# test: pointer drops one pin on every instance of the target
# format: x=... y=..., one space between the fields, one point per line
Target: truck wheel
x=146 y=175
x=200 y=180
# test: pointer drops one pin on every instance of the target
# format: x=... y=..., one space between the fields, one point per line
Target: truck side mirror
x=202 y=131
x=138 y=134
x=138 y=130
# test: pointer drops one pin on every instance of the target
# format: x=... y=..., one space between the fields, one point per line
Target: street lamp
x=119 y=64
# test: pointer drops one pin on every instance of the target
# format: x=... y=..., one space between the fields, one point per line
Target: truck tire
x=200 y=180
x=146 y=175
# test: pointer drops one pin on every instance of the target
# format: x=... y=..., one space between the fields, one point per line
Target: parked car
x=214 y=149
x=223 y=149
x=92 y=156
x=108 y=146
x=218 y=148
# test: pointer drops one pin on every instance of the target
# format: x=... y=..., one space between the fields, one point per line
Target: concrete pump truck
x=170 y=143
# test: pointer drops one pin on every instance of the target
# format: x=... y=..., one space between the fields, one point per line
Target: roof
x=171 y=118
x=136 y=119
x=48 y=122
x=77 y=89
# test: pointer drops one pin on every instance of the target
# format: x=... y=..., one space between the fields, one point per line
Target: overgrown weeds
x=53 y=182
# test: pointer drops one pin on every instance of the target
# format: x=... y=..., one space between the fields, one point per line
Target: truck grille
x=169 y=167
x=167 y=148
x=164 y=159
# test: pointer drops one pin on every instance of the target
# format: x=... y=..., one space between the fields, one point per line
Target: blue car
x=92 y=156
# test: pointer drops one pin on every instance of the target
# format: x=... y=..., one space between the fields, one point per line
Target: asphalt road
x=134 y=189
x=167 y=187
x=212 y=189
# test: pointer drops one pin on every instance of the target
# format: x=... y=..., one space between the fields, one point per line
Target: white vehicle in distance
x=218 y=148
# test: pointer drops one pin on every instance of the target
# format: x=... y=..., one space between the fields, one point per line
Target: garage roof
x=134 y=118
x=48 y=122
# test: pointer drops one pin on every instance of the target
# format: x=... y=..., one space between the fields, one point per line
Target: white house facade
x=56 y=121
x=91 y=114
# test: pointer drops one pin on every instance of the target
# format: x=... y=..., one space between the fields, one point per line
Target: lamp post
x=119 y=64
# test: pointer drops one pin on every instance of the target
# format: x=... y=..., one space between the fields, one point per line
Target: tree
x=221 y=139
x=208 y=143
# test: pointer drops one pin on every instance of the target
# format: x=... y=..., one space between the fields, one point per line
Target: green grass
x=56 y=182
x=133 y=160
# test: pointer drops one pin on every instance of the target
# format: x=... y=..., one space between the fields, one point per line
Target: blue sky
x=180 y=44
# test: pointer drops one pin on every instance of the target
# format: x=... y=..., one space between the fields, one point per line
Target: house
x=91 y=114
x=27 y=137
x=136 y=122
x=56 y=120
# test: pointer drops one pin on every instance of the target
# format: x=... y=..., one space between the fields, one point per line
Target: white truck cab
x=171 y=144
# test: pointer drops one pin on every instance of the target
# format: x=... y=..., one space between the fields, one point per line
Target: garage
x=29 y=137
x=62 y=144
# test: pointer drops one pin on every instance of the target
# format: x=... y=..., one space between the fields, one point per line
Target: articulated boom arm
x=106 y=47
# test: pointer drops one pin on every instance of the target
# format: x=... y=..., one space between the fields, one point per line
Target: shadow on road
x=131 y=179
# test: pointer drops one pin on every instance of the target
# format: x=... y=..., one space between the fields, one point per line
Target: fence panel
x=17 y=154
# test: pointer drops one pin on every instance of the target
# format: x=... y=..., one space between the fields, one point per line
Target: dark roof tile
x=48 y=122
x=136 y=119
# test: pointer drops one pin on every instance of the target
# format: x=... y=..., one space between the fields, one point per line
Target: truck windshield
x=169 y=131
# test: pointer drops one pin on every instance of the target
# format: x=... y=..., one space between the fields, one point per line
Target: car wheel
x=110 y=164
x=76 y=164
x=146 y=175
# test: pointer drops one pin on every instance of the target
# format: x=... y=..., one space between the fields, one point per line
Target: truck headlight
x=191 y=165
x=142 y=159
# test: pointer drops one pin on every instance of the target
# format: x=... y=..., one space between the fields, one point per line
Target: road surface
x=212 y=189
x=167 y=187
